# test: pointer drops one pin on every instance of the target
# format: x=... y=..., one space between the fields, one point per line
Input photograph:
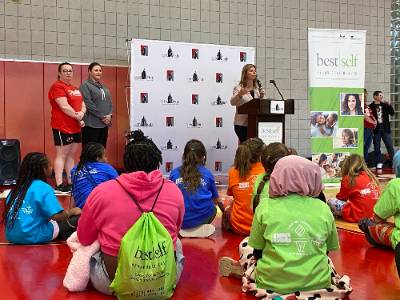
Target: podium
x=266 y=111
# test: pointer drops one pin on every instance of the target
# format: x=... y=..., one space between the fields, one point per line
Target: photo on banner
x=336 y=83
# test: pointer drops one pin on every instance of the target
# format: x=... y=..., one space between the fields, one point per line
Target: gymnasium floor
x=36 y=272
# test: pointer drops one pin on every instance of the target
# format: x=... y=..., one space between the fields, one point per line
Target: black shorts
x=62 y=139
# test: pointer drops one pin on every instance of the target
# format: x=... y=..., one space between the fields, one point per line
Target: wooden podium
x=259 y=110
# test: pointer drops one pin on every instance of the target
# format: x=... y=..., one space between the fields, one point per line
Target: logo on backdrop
x=195 y=53
x=169 y=165
x=195 y=77
x=219 y=146
x=144 y=98
x=218 y=122
x=195 y=99
x=170 y=75
x=218 y=77
x=169 y=146
x=144 y=123
x=169 y=121
x=219 y=56
x=243 y=56
x=195 y=123
x=144 y=76
x=169 y=101
x=218 y=101
x=170 y=53
x=218 y=166
x=144 y=50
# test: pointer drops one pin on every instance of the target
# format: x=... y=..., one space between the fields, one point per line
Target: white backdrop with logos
x=181 y=91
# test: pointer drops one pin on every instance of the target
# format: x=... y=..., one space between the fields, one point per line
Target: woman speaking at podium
x=249 y=88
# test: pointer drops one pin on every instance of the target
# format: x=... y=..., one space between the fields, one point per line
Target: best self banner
x=336 y=90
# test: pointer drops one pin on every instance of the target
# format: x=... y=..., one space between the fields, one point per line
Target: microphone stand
x=273 y=82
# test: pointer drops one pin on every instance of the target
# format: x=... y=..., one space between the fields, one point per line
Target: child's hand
x=75 y=211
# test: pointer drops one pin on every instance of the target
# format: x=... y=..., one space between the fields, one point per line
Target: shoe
x=228 y=267
x=379 y=166
x=201 y=231
x=62 y=189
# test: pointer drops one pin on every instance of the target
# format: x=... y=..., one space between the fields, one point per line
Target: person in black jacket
x=381 y=110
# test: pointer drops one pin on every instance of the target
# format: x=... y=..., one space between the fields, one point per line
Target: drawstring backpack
x=146 y=259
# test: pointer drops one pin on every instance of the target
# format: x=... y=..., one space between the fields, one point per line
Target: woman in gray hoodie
x=98 y=102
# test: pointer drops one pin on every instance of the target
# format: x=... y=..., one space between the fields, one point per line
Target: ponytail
x=193 y=156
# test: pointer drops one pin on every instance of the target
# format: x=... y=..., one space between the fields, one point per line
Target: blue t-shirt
x=91 y=175
x=32 y=225
x=199 y=205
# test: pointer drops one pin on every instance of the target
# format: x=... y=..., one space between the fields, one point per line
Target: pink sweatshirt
x=109 y=211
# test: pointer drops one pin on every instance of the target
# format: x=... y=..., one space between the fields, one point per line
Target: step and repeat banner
x=181 y=91
x=336 y=89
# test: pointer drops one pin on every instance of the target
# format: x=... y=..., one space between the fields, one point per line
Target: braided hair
x=270 y=156
x=141 y=154
x=33 y=167
x=91 y=152
x=194 y=155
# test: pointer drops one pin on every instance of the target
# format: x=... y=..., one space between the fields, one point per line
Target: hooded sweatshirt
x=110 y=212
x=98 y=103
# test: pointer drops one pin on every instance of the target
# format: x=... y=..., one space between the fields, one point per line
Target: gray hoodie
x=98 y=103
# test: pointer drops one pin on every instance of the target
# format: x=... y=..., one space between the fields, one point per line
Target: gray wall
x=87 y=30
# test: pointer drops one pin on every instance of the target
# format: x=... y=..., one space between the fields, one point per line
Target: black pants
x=94 y=135
x=67 y=228
x=241 y=132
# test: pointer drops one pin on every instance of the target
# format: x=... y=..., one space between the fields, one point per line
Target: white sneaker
x=379 y=166
x=201 y=231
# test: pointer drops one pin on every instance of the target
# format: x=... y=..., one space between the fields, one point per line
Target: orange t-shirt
x=242 y=190
x=59 y=120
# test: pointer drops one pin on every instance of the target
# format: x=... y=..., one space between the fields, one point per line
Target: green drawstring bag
x=146 y=260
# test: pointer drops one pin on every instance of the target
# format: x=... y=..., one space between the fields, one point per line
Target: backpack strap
x=135 y=201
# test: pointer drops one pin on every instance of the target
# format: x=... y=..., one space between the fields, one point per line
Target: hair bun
x=138 y=135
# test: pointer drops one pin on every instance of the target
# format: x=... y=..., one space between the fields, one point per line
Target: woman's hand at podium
x=243 y=91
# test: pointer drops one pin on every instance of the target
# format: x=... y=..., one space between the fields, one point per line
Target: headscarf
x=295 y=174
x=396 y=163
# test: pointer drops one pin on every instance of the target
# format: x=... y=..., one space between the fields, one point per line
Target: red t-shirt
x=360 y=198
x=59 y=120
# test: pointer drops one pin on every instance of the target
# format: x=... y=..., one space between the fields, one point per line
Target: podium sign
x=270 y=132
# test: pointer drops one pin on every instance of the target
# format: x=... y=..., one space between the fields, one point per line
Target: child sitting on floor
x=358 y=193
x=377 y=231
x=242 y=175
x=91 y=170
x=199 y=191
x=291 y=235
x=32 y=213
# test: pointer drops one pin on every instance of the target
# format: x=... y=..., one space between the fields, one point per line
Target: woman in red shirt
x=67 y=111
x=358 y=193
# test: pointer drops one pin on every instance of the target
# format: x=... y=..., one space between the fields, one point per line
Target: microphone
x=274 y=83
x=259 y=84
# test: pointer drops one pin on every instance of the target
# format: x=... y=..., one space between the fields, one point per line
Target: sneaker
x=201 y=231
x=379 y=166
x=62 y=189
x=228 y=267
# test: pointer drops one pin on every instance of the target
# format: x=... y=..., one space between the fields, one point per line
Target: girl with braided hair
x=247 y=166
x=32 y=214
x=199 y=191
x=110 y=210
x=91 y=170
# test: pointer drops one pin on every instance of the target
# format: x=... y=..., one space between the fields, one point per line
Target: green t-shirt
x=388 y=205
x=264 y=193
x=294 y=233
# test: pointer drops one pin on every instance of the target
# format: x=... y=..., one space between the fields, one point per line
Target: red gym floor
x=36 y=272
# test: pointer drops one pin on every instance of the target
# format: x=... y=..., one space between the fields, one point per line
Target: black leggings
x=241 y=132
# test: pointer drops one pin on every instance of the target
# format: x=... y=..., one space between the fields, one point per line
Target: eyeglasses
x=67 y=71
